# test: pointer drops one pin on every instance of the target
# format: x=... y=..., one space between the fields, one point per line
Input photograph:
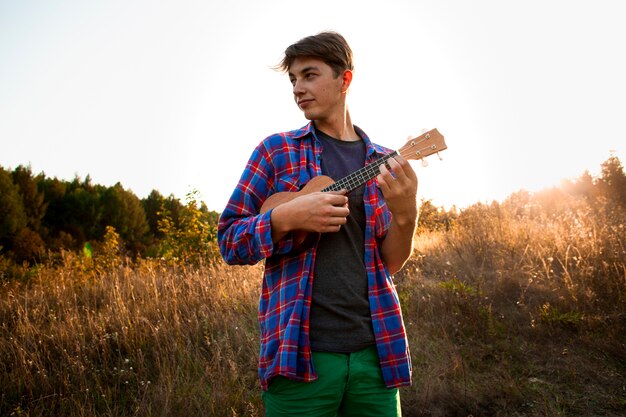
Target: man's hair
x=329 y=47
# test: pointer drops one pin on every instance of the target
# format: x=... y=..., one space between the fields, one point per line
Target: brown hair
x=330 y=47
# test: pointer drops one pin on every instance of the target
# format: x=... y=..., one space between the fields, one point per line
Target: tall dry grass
x=517 y=310
x=520 y=309
x=147 y=339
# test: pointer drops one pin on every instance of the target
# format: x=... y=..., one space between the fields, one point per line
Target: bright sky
x=174 y=95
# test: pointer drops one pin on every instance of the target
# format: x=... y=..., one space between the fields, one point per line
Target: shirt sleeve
x=244 y=234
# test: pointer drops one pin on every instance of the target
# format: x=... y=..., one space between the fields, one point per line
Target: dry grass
x=511 y=312
x=148 y=340
x=514 y=313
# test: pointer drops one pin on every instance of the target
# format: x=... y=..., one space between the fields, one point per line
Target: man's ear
x=346 y=80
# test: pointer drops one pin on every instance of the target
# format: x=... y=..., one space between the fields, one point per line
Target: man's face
x=316 y=90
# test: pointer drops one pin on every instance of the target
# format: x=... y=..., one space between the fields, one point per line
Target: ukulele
x=431 y=142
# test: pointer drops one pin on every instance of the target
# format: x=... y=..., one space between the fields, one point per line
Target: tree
x=152 y=206
x=12 y=216
x=432 y=218
x=122 y=210
x=54 y=191
x=613 y=181
x=81 y=211
x=27 y=246
x=195 y=239
x=32 y=197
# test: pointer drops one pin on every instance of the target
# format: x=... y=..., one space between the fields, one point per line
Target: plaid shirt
x=286 y=162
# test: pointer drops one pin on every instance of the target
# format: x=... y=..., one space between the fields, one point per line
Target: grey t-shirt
x=340 y=313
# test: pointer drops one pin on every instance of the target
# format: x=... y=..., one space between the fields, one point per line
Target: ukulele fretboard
x=360 y=177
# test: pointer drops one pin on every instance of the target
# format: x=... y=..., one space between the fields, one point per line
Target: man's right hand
x=320 y=212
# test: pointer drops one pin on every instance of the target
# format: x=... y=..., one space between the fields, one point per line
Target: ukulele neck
x=360 y=177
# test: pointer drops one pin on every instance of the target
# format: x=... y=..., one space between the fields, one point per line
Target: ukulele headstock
x=424 y=145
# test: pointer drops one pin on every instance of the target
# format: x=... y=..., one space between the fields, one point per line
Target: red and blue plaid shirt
x=286 y=162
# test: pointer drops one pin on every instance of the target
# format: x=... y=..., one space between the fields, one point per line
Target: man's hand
x=398 y=183
x=320 y=212
x=399 y=186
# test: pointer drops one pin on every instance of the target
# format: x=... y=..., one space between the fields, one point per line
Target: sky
x=174 y=95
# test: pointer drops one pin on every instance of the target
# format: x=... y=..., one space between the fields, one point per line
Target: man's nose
x=298 y=88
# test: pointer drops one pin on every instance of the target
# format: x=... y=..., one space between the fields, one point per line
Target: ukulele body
x=315 y=184
x=302 y=239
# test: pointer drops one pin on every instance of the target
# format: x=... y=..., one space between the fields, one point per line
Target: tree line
x=39 y=215
x=606 y=192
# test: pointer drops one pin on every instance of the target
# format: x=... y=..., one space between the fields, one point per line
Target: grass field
x=514 y=310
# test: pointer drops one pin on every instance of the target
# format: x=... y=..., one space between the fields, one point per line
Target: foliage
x=514 y=308
x=194 y=239
x=122 y=210
x=613 y=181
x=32 y=197
x=42 y=217
x=109 y=255
x=12 y=216
x=433 y=218
x=553 y=315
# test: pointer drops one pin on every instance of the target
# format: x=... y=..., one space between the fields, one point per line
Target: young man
x=332 y=337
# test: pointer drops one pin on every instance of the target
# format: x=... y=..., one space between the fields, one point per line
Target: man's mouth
x=303 y=103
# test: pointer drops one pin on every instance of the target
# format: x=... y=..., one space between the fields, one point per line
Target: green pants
x=348 y=384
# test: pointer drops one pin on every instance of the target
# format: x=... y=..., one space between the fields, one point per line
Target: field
x=512 y=309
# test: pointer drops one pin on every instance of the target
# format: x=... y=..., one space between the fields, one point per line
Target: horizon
x=182 y=199
x=175 y=97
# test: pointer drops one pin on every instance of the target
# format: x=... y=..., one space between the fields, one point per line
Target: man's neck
x=340 y=128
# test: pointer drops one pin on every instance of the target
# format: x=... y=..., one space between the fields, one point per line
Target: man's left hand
x=398 y=182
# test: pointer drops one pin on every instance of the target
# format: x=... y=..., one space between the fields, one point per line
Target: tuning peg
x=424 y=163
x=439 y=156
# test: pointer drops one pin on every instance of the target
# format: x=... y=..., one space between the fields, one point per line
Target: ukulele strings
x=360 y=177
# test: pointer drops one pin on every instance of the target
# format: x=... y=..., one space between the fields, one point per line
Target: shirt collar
x=309 y=129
